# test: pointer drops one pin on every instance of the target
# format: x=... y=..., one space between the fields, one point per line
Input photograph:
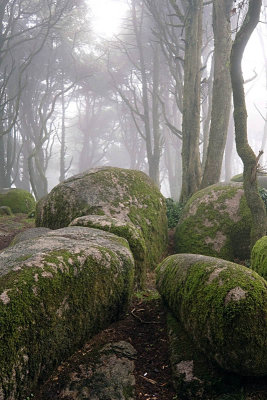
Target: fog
x=100 y=82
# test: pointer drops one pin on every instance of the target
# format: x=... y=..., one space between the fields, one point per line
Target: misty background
x=86 y=83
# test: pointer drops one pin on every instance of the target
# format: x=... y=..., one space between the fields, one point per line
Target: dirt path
x=144 y=327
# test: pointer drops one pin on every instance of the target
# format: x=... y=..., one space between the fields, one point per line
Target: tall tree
x=191 y=99
x=249 y=159
x=221 y=94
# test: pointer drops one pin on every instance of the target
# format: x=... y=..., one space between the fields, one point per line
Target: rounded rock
x=216 y=221
x=223 y=307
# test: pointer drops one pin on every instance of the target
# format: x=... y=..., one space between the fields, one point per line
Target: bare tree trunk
x=206 y=111
x=249 y=159
x=264 y=138
x=229 y=151
x=62 y=167
x=155 y=157
x=221 y=95
x=191 y=100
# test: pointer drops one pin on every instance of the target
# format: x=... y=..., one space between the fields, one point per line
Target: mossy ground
x=144 y=327
x=11 y=225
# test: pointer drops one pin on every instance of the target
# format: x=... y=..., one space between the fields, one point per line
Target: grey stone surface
x=31 y=233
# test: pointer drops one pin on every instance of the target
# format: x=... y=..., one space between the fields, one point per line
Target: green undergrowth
x=174 y=212
x=147 y=295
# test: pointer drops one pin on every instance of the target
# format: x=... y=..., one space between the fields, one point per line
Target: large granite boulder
x=57 y=291
x=223 y=308
x=18 y=200
x=128 y=196
x=216 y=221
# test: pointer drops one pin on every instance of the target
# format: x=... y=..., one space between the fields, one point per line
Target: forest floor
x=10 y=226
x=145 y=328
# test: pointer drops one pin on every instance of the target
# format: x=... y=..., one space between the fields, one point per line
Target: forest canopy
x=148 y=88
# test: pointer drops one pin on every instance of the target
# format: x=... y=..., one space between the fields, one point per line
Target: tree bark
x=249 y=159
x=221 y=95
x=191 y=100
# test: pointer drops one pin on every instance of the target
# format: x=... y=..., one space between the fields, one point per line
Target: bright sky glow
x=106 y=16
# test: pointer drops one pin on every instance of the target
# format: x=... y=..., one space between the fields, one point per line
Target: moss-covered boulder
x=259 y=257
x=18 y=200
x=57 y=291
x=120 y=228
x=223 y=307
x=126 y=195
x=216 y=221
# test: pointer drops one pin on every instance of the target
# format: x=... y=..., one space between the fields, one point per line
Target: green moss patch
x=216 y=221
x=223 y=307
x=18 y=200
x=67 y=288
x=259 y=257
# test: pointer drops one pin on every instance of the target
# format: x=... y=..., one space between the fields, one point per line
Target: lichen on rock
x=223 y=307
x=216 y=221
x=57 y=291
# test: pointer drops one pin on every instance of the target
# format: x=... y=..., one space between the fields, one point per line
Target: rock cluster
x=125 y=202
